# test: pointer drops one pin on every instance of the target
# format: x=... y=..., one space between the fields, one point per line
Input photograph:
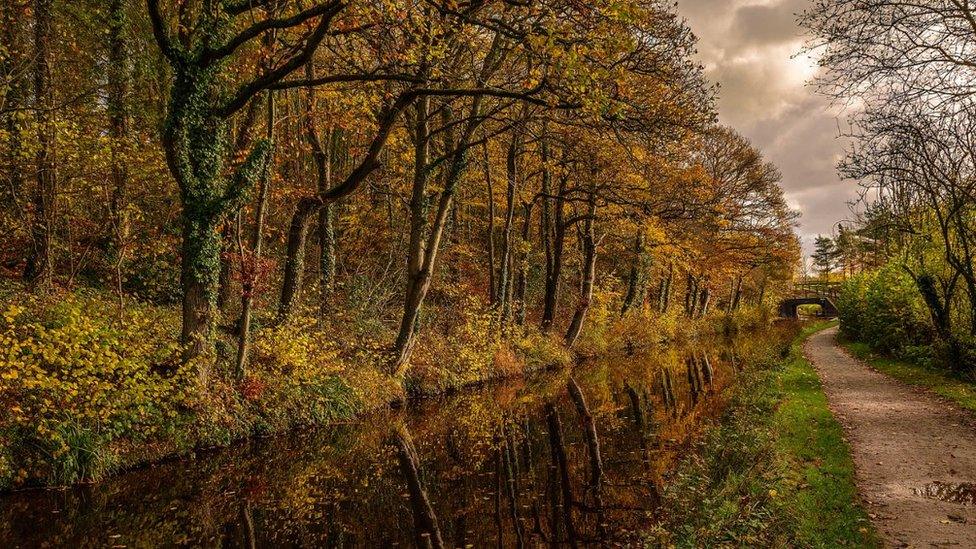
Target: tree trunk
x=426 y=529
x=324 y=156
x=294 y=276
x=200 y=247
x=545 y=218
x=595 y=483
x=736 y=295
x=664 y=296
x=704 y=301
x=39 y=268
x=589 y=429
x=118 y=115
x=490 y=236
x=250 y=279
x=422 y=258
x=324 y=165
x=118 y=76
x=192 y=140
x=522 y=281
x=563 y=480
x=511 y=166
x=588 y=245
x=402 y=348
x=554 y=267
x=14 y=100
x=327 y=258
x=635 y=279
x=939 y=308
x=691 y=296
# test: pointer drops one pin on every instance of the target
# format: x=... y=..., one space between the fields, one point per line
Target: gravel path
x=915 y=455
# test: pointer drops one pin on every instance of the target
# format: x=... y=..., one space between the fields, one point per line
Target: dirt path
x=911 y=450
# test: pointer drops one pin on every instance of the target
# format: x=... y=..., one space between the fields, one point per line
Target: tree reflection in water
x=556 y=459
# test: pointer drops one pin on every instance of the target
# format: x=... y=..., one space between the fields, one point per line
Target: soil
x=914 y=453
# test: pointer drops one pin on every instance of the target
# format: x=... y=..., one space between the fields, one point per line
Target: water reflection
x=560 y=459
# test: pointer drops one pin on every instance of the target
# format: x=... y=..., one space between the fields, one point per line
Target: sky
x=752 y=49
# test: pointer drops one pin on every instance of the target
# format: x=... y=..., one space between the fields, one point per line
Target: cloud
x=750 y=47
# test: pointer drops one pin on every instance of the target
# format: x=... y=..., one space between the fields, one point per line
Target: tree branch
x=328 y=9
x=247 y=91
x=161 y=34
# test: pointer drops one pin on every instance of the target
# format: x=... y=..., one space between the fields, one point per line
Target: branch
x=245 y=176
x=387 y=120
x=341 y=78
x=328 y=9
x=161 y=34
x=249 y=90
x=237 y=8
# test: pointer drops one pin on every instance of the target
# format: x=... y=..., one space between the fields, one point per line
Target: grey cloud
x=747 y=47
x=757 y=25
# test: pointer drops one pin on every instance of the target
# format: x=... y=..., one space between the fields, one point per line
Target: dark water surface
x=557 y=459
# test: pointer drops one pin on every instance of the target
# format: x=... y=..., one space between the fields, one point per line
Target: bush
x=75 y=378
x=88 y=392
x=852 y=305
x=541 y=350
x=885 y=310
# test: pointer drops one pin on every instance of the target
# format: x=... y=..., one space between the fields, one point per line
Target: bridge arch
x=788 y=307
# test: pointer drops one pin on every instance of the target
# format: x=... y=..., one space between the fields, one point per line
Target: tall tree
x=40 y=263
x=824 y=255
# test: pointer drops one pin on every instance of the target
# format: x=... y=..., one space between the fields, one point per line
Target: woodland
x=221 y=218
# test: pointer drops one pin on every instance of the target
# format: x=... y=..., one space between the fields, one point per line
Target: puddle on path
x=963 y=492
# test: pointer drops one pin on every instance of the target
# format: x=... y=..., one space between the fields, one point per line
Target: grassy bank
x=938 y=380
x=773 y=471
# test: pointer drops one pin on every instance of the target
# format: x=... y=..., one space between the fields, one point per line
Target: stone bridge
x=811 y=293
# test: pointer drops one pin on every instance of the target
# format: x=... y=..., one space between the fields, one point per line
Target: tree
x=824 y=255
x=39 y=269
x=892 y=52
x=204 y=95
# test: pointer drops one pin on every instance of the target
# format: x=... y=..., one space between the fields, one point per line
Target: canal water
x=567 y=458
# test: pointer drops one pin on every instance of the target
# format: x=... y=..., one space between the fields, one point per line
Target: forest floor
x=915 y=455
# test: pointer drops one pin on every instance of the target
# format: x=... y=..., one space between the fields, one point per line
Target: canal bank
x=572 y=456
x=774 y=470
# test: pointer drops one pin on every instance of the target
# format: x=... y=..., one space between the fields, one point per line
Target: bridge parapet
x=815 y=288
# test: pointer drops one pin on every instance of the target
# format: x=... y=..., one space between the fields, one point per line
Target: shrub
x=88 y=391
x=541 y=350
x=896 y=318
x=75 y=378
x=885 y=310
x=852 y=305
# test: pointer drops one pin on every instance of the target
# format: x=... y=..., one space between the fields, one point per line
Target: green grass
x=817 y=470
x=940 y=382
x=774 y=471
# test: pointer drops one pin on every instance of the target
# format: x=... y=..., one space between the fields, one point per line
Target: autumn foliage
x=231 y=217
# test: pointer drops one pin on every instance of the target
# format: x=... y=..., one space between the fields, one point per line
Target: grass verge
x=774 y=471
x=939 y=381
